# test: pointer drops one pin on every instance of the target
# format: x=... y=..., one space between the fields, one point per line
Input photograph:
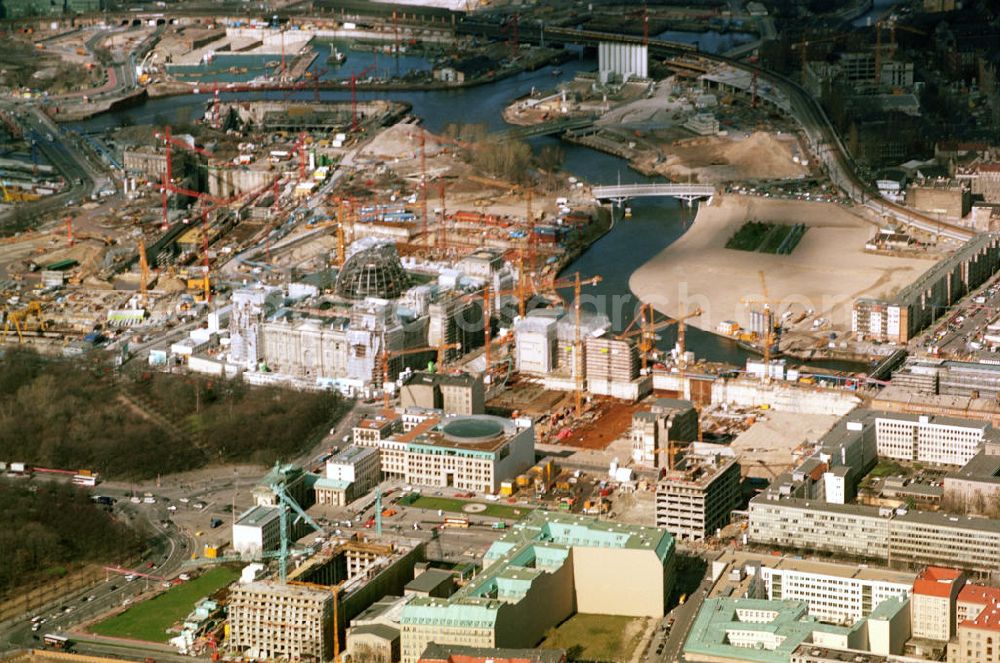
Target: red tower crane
x=354 y=95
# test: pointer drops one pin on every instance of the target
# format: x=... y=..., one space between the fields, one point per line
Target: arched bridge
x=622 y=192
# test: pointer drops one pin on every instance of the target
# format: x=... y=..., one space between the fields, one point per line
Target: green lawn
x=596 y=637
x=887 y=468
x=150 y=619
x=456 y=506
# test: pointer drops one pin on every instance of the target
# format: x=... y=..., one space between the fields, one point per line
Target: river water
x=654 y=225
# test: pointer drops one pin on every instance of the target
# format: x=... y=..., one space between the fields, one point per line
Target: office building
x=891 y=535
x=935 y=592
x=655 y=430
x=270 y=620
x=925 y=439
x=835 y=593
x=257 y=531
x=452 y=393
x=473 y=453
x=545 y=568
x=694 y=500
x=741 y=630
x=349 y=475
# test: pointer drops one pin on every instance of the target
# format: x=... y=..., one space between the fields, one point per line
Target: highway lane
x=170 y=549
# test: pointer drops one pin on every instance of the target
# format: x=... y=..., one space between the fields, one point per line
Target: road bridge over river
x=622 y=192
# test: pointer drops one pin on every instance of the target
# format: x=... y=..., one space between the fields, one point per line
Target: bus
x=56 y=641
x=85 y=480
x=455 y=522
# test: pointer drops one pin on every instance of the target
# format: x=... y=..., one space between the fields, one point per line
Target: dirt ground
x=758 y=156
x=767 y=448
x=613 y=420
x=826 y=272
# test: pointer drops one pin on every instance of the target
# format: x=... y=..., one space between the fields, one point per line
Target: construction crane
x=577 y=284
x=19 y=319
x=285 y=504
x=893 y=26
x=300 y=150
x=354 y=95
x=167 y=185
x=645 y=326
x=489 y=296
x=803 y=48
x=143 y=270
x=389 y=354
x=767 y=338
x=423 y=183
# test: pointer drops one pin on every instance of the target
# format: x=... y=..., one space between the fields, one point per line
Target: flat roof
x=429 y=580
x=820 y=567
x=352 y=454
x=258 y=516
x=789 y=626
x=477 y=432
x=383 y=631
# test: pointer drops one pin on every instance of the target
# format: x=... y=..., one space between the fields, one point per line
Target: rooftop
x=936 y=581
x=698 y=471
x=478 y=432
x=258 y=516
x=378 y=630
x=429 y=580
x=461 y=654
x=837 y=655
x=832 y=569
x=768 y=631
x=351 y=455
x=537 y=545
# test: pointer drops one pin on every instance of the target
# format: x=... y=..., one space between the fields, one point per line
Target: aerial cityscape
x=500 y=331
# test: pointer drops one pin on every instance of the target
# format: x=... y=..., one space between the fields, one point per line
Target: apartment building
x=978 y=626
x=377 y=432
x=349 y=475
x=270 y=620
x=926 y=439
x=978 y=640
x=921 y=302
x=694 y=500
x=932 y=607
x=539 y=573
x=973 y=599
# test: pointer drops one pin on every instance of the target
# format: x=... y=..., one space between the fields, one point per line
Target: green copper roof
x=754 y=630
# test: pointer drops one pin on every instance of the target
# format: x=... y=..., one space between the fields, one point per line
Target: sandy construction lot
x=826 y=272
x=768 y=447
x=757 y=156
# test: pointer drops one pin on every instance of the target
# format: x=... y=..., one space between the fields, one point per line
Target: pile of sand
x=759 y=156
